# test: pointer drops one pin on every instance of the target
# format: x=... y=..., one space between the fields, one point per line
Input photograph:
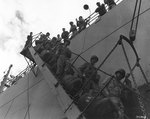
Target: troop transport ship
x=35 y=95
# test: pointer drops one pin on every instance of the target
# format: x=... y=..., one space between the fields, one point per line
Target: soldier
x=89 y=73
x=110 y=3
x=65 y=55
x=59 y=38
x=81 y=23
x=101 y=10
x=114 y=88
x=29 y=40
x=73 y=29
x=65 y=34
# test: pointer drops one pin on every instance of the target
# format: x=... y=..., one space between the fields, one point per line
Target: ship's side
x=35 y=97
x=31 y=93
x=100 y=38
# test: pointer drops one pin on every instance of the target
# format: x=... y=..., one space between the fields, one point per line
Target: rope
x=87 y=62
x=143 y=73
x=113 y=32
x=26 y=113
x=108 y=55
x=9 y=109
x=20 y=93
x=28 y=99
x=82 y=88
x=136 y=87
x=97 y=68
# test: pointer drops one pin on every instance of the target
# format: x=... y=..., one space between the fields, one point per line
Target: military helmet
x=47 y=34
x=71 y=22
x=98 y=3
x=94 y=57
x=121 y=71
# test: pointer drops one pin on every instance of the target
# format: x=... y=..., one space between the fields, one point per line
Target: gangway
x=60 y=93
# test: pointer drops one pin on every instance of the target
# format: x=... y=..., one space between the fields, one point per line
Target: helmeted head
x=71 y=23
x=94 y=59
x=120 y=74
x=80 y=18
x=47 y=34
x=63 y=29
x=98 y=4
x=31 y=33
x=58 y=35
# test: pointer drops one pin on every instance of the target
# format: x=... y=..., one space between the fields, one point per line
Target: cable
x=9 y=109
x=88 y=62
x=20 y=93
x=88 y=80
x=133 y=78
x=113 y=32
x=28 y=100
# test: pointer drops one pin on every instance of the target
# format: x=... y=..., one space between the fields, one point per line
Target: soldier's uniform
x=65 y=55
x=29 y=40
x=65 y=35
x=113 y=89
x=110 y=3
x=91 y=78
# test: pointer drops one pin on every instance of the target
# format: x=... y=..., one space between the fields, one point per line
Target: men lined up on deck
x=29 y=40
x=110 y=3
x=101 y=10
x=81 y=81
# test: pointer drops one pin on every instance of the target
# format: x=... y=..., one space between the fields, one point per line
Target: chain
x=136 y=87
x=141 y=100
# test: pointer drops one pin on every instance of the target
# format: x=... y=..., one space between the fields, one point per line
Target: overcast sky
x=19 y=17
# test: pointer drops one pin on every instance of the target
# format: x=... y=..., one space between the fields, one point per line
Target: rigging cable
x=136 y=87
x=20 y=93
x=9 y=109
x=88 y=80
x=88 y=62
x=113 y=32
x=28 y=99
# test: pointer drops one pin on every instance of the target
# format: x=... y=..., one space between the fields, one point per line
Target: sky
x=19 y=17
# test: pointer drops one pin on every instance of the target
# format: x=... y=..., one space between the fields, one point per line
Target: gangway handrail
x=137 y=64
x=60 y=93
x=122 y=37
x=133 y=78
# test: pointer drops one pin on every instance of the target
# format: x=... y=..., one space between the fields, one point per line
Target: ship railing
x=89 y=21
x=92 y=18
